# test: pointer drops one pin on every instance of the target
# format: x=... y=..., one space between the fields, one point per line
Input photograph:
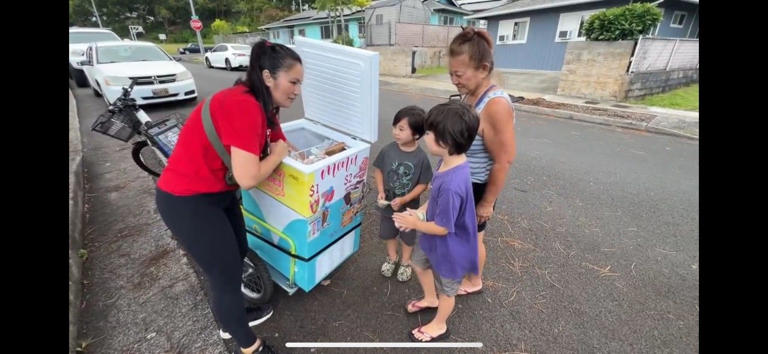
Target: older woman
x=493 y=150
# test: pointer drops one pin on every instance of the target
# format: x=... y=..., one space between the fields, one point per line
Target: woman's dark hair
x=273 y=57
x=476 y=44
x=416 y=117
x=454 y=125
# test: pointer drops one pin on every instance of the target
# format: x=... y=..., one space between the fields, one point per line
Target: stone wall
x=596 y=70
x=649 y=83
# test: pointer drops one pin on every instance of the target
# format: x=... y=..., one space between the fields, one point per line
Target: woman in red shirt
x=201 y=209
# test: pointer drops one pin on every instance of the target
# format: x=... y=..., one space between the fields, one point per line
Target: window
x=275 y=35
x=678 y=19
x=513 y=31
x=325 y=32
x=361 y=28
x=338 y=28
x=571 y=25
x=303 y=32
x=379 y=19
x=446 y=20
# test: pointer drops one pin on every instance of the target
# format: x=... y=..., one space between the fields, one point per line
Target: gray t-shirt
x=402 y=172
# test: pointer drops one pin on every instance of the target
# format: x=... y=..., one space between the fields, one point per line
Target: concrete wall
x=242 y=38
x=545 y=82
x=393 y=61
x=396 y=61
x=648 y=83
x=596 y=70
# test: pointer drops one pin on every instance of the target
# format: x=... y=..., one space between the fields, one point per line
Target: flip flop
x=430 y=338
x=412 y=304
x=467 y=292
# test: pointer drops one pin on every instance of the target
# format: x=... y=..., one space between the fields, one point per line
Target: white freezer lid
x=341 y=87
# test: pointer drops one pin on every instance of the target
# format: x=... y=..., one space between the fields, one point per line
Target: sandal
x=413 y=305
x=404 y=273
x=388 y=267
x=430 y=338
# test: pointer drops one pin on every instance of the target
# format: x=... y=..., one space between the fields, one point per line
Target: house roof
x=309 y=16
x=383 y=3
x=527 y=5
x=434 y=6
x=481 y=5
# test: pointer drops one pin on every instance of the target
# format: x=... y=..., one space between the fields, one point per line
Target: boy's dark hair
x=416 y=116
x=273 y=57
x=454 y=125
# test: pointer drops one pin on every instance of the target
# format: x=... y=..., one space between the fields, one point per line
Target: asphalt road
x=594 y=246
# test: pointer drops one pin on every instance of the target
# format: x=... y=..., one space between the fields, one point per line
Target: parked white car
x=79 y=38
x=111 y=65
x=229 y=56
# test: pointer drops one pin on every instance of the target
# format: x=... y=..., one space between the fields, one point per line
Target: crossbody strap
x=213 y=137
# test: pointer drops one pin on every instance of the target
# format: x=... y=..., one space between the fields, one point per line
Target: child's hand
x=381 y=196
x=405 y=221
x=397 y=203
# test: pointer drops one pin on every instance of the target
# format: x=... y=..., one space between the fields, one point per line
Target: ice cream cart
x=304 y=220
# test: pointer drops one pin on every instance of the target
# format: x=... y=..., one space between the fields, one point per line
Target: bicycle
x=124 y=119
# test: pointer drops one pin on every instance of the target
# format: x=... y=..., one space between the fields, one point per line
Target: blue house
x=315 y=24
x=533 y=34
x=446 y=13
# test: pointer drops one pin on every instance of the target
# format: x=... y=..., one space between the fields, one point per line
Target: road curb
x=76 y=206
x=622 y=123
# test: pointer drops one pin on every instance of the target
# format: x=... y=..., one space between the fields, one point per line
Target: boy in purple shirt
x=447 y=249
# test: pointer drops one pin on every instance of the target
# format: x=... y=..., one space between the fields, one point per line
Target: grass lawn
x=685 y=98
x=432 y=71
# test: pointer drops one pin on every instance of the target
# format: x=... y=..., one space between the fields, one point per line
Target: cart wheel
x=257 y=284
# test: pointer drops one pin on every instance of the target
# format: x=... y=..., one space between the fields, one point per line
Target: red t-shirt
x=194 y=166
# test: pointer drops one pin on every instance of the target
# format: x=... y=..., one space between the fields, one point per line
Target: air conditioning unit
x=564 y=34
x=503 y=38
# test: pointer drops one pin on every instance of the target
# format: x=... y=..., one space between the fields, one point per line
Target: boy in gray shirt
x=402 y=171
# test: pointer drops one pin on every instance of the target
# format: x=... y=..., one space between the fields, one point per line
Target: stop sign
x=196 y=24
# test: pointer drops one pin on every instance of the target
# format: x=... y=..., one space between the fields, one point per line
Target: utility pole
x=199 y=39
x=97 y=14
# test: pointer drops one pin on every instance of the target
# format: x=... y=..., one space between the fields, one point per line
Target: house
x=315 y=24
x=447 y=13
x=434 y=12
x=533 y=34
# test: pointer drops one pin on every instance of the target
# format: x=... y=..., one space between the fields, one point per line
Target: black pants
x=211 y=229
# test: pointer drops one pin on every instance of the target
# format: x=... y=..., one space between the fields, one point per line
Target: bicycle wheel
x=147 y=158
x=257 y=286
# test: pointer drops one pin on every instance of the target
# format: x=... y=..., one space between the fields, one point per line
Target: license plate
x=160 y=92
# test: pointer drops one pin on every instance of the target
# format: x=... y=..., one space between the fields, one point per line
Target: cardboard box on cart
x=304 y=220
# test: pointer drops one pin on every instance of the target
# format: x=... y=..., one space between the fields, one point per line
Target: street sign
x=196 y=24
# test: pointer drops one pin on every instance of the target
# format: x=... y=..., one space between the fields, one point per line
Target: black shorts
x=478 y=189
x=388 y=231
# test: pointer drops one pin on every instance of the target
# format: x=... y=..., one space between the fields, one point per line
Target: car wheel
x=228 y=64
x=208 y=63
x=80 y=79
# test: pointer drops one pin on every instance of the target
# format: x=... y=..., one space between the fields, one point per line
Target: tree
x=622 y=23
x=336 y=10
x=221 y=27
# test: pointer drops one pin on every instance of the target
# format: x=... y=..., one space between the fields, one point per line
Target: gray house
x=533 y=34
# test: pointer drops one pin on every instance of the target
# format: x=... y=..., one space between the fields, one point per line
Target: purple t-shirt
x=452 y=206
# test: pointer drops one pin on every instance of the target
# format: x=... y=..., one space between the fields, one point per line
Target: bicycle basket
x=120 y=125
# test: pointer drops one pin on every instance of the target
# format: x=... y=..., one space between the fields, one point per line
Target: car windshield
x=241 y=48
x=129 y=53
x=88 y=37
